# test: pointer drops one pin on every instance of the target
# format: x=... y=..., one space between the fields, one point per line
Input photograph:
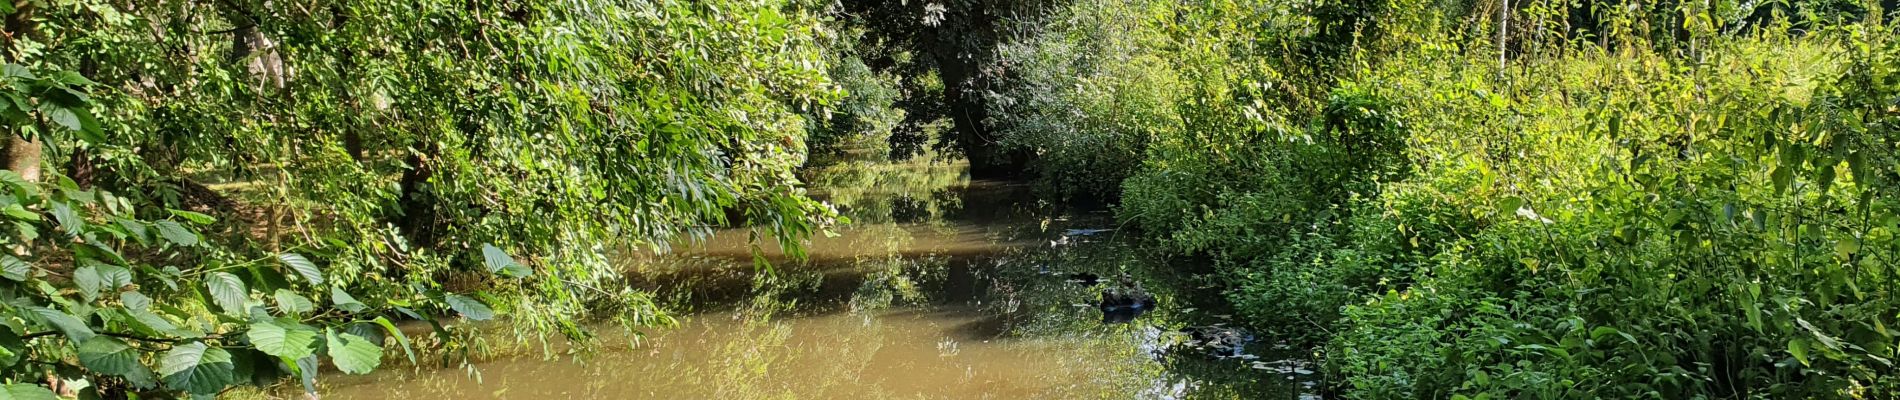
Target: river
x=941 y=288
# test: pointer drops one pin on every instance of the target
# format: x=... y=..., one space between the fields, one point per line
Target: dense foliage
x=1503 y=199
x=1439 y=198
x=203 y=194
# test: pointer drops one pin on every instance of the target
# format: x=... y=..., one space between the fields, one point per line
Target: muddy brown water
x=942 y=288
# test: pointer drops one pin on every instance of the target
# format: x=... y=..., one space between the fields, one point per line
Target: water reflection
x=942 y=288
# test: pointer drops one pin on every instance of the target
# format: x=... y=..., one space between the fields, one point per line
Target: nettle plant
x=99 y=301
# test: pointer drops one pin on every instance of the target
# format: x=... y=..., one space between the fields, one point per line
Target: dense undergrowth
x=1440 y=198
x=1618 y=201
x=202 y=195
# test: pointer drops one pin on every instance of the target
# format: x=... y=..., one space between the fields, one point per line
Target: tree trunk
x=22 y=154
x=986 y=154
x=1504 y=27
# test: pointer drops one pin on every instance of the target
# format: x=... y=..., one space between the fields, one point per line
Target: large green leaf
x=63 y=117
x=401 y=339
x=228 y=291
x=19 y=212
x=307 y=373
x=87 y=280
x=19 y=184
x=469 y=307
x=344 y=301
x=283 y=338
x=290 y=302
x=74 y=329
x=176 y=233
x=14 y=268
x=353 y=354
x=1799 y=348
x=24 y=391
x=198 y=369
x=308 y=270
x=499 y=262
x=111 y=356
x=68 y=219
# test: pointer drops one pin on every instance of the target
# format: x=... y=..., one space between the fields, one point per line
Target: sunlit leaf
x=292 y=303
x=499 y=262
x=1799 y=348
x=306 y=269
x=352 y=354
x=401 y=339
x=344 y=301
x=228 y=291
x=197 y=368
x=469 y=307
x=283 y=338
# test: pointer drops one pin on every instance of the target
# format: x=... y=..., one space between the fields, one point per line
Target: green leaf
x=283 y=338
x=344 y=301
x=353 y=354
x=176 y=233
x=1799 y=348
x=111 y=356
x=292 y=303
x=307 y=373
x=89 y=129
x=228 y=291
x=469 y=307
x=74 y=329
x=17 y=71
x=198 y=369
x=28 y=232
x=64 y=117
x=15 y=269
x=9 y=342
x=196 y=218
x=401 y=339
x=1509 y=205
x=137 y=230
x=19 y=183
x=499 y=262
x=23 y=391
x=1846 y=248
x=308 y=270
x=87 y=280
x=135 y=301
x=69 y=220
x=154 y=321
x=95 y=252
x=114 y=277
x=1783 y=177
x=516 y=271
x=19 y=212
x=71 y=78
